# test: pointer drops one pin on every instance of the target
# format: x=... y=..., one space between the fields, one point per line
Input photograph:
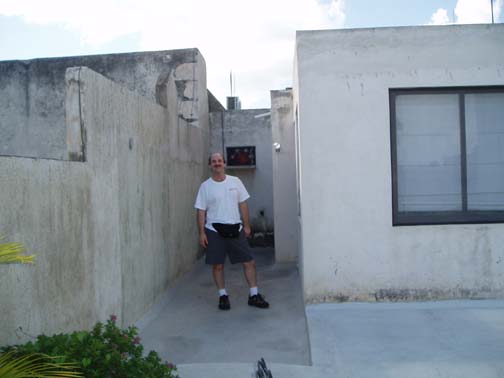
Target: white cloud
x=440 y=17
x=254 y=39
x=337 y=11
x=469 y=12
x=476 y=11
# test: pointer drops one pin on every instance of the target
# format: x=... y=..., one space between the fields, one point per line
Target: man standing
x=219 y=203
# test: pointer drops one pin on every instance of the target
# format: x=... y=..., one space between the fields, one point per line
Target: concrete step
x=245 y=370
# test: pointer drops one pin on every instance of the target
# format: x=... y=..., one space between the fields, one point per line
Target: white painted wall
x=285 y=202
x=350 y=250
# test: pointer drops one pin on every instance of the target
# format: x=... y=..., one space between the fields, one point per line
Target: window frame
x=464 y=216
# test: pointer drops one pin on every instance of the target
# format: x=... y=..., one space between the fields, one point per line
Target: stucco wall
x=242 y=128
x=285 y=201
x=51 y=206
x=109 y=233
x=350 y=250
x=32 y=94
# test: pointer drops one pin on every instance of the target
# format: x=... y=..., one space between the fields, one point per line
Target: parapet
x=32 y=94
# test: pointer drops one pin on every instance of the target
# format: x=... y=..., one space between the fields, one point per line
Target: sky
x=253 y=39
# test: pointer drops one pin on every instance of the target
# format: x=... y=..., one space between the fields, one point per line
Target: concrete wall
x=350 y=249
x=242 y=128
x=32 y=94
x=110 y=233
x=285 y=202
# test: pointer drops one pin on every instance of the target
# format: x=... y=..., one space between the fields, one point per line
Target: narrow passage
x=186 y=327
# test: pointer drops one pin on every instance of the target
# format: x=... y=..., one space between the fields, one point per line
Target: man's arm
x=245 y=217
x=201 y=214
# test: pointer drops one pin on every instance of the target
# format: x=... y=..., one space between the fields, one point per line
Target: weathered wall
x=285 y=202
x=109 y=233
x=242 y=128
x=67 y=214
x=50 y=206
x=32 y=94
x=350 y=248
x=160 y=165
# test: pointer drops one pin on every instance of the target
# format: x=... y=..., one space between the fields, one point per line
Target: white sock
x=222 y=292
x=253 y=291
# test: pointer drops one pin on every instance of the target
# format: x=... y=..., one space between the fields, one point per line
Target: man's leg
x=240 y=252
x=216 y=256
x=255 y=299
x=249 y=268
x=218 y=275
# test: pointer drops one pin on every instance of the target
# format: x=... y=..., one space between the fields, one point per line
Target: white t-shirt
x=220 y=199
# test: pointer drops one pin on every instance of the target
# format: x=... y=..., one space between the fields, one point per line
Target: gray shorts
x=218 y=247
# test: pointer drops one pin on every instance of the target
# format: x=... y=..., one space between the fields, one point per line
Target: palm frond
x=35 y=365
x=13 y=253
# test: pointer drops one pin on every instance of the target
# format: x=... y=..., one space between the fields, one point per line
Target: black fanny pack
x=227 y=230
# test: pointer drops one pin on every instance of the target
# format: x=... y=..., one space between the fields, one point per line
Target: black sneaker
x=224 y=303
x=257 y=301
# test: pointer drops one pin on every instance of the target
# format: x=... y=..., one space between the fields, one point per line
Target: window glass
x=428 y=152
x=484 y=114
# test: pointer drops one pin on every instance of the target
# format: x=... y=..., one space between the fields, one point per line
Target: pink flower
x=136 y=340
x=169 y=365
x=113 y=318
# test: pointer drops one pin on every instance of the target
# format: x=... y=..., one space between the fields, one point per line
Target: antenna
x=234 y=84
x=491 y=5
x=231 y=82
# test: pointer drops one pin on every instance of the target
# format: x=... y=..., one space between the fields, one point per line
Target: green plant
x=104 y=352
x=12 y=253
x=35 y=365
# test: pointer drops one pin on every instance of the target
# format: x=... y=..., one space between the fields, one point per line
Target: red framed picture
x=243 y=156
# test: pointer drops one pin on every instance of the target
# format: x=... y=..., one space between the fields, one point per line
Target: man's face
x=217 y=164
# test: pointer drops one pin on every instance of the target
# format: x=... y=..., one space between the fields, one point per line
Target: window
x=447 y=155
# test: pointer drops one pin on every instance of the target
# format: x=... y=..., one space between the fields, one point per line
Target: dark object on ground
x=262 y=370
x=262 y=239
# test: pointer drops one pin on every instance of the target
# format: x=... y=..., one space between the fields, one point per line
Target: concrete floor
x=446 y=339
x=449 y=339
x=187 y=327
